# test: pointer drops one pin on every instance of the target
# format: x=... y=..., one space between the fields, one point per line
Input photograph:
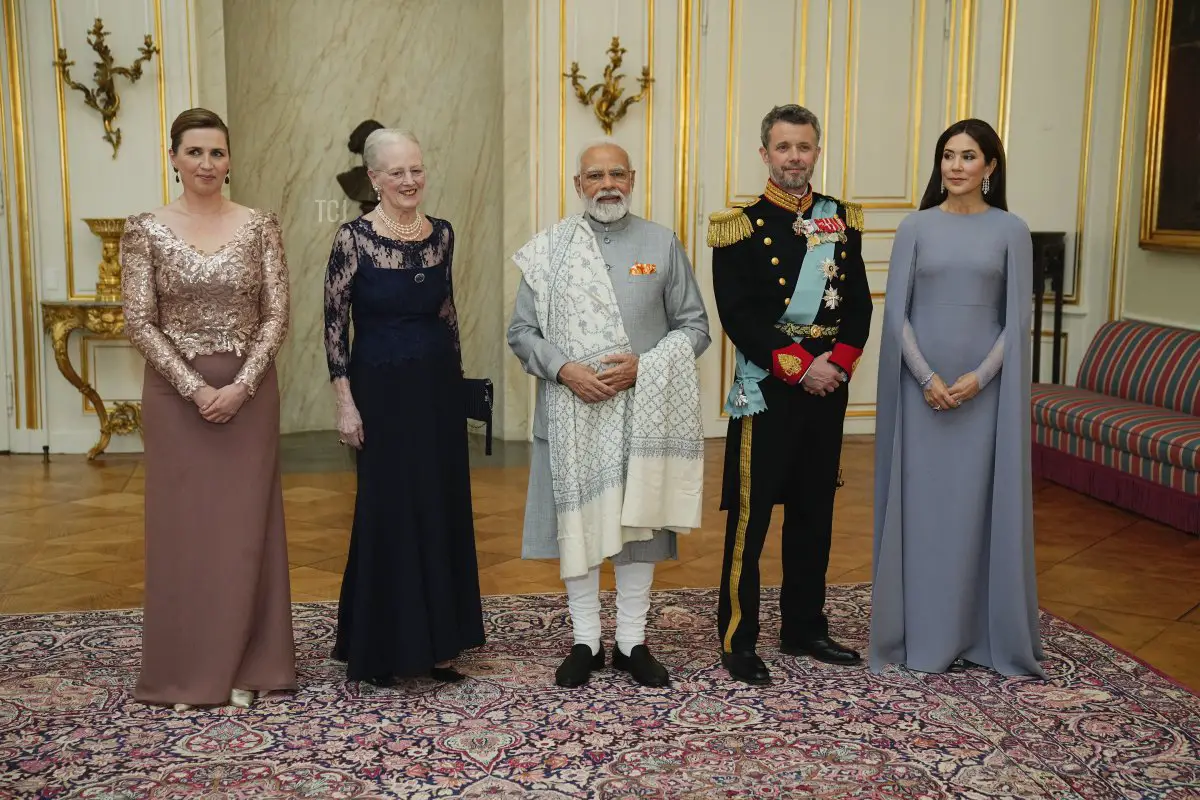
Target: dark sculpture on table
x=354 y=181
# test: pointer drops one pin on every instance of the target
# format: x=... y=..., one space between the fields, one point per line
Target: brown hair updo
x=195 y=119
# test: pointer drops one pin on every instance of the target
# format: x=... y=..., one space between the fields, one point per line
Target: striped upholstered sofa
x=1128 y=432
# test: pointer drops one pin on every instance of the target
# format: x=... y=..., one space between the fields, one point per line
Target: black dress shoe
x=577 y=667
x=382 y=681
x=822 y=649
x=644 y=667
x=446 y=674
x=746 y=667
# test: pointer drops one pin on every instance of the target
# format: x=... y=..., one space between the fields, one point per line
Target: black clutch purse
x=479 y=401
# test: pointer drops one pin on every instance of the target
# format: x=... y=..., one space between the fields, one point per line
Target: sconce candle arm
x=104 y=97
x=608 y=105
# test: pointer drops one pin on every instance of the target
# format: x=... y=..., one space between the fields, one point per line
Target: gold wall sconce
x=608 y=106
x=104 y=97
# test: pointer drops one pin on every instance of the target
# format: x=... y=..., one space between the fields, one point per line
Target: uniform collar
x=786 y=201
x=618 y=225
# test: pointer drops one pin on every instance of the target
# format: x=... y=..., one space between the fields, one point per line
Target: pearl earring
x=378 y=196
x=987 y=184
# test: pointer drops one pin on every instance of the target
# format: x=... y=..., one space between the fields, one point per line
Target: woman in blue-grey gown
x=954 y=571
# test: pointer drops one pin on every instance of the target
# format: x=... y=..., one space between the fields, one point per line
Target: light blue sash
x=806 y=302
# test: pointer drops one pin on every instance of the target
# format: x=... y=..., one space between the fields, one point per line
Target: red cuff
x=846 y=357
x=790 y=363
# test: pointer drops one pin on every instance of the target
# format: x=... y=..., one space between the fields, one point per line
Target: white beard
x=607 y=212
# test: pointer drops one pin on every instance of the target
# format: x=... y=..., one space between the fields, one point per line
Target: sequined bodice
x=181 y=302
x=400 y=294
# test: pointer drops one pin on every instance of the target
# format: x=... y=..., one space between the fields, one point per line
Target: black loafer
x=577 y=667
x=746 y=667
x=822 y=649
x=644 y=667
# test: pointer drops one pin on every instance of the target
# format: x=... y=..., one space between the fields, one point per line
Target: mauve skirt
x=218 y=606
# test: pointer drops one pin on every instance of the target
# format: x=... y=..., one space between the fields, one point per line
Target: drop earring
x=943 y=187
x=987 y=184
x=177 y=176
x=226 y=177
x=378 y=196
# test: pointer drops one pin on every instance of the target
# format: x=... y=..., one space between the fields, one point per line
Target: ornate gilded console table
x=103 y=320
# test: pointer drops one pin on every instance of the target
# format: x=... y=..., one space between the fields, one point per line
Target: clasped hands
x=221 y=405
x=940 y=397
x=591 y=386
x=822 y=378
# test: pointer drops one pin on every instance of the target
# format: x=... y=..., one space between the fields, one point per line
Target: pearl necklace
x=407 y=232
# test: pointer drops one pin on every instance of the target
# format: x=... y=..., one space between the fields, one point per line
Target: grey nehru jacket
x=651 y=306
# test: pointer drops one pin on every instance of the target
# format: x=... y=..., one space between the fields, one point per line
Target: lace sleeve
x=913 y=359
x=448 y=313
x=339 y=280
x=140 y=307
x=991 y=364
x=272 y=308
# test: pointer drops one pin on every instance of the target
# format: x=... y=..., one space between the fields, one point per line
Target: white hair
x=592 y=145
x=377 y=140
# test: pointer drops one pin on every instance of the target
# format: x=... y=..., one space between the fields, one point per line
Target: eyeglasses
x=398 y=174
x=594 y=176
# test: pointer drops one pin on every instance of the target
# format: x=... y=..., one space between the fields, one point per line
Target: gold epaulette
x=728 y=226
x=854 y=215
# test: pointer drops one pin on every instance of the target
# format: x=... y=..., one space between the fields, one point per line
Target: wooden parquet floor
x=71 y=539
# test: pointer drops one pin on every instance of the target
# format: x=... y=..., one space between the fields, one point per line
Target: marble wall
x=300 y=75
x=515 y=397
x=209 y=18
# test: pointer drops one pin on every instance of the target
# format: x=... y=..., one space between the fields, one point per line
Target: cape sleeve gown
x=954 y=573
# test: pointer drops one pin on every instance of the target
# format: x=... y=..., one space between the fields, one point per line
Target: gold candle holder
x=110 y=230
x=605 y=97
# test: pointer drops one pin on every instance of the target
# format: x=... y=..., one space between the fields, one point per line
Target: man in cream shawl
x=610 y=319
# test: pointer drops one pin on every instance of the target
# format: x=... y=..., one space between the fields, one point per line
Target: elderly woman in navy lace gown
x=410 y=595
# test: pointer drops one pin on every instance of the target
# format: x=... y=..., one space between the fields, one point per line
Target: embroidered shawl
x=591 y=443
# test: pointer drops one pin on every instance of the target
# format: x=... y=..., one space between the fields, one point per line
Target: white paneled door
x=877 y=73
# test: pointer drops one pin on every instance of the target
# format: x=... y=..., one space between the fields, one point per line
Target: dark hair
x=993 y=150
x=196 y=119
x=791 y=113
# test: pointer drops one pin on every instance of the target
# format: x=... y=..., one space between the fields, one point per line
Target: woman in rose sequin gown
x=205 y=285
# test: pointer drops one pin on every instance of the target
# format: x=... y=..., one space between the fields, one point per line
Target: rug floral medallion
x=1102 y=726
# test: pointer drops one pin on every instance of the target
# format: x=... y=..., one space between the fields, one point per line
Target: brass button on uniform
x=767 y=241
x=787 y=300
x=783 y=281
x=775 y=262
x=843 y=254
x=759 y=222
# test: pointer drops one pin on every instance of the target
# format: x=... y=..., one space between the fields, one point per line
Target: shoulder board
x=854 y=215
x=728 y=227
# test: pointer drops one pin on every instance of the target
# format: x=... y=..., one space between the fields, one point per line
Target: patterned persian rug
x=1103 y=726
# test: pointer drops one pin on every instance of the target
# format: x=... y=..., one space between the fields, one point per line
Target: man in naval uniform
x=792 y=295
x=655 y=294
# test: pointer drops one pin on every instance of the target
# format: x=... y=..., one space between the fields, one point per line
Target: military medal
x=804 y=227
x=741 y=401
x=819 y=231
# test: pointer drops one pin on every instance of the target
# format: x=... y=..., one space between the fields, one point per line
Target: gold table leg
x=126 y=417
